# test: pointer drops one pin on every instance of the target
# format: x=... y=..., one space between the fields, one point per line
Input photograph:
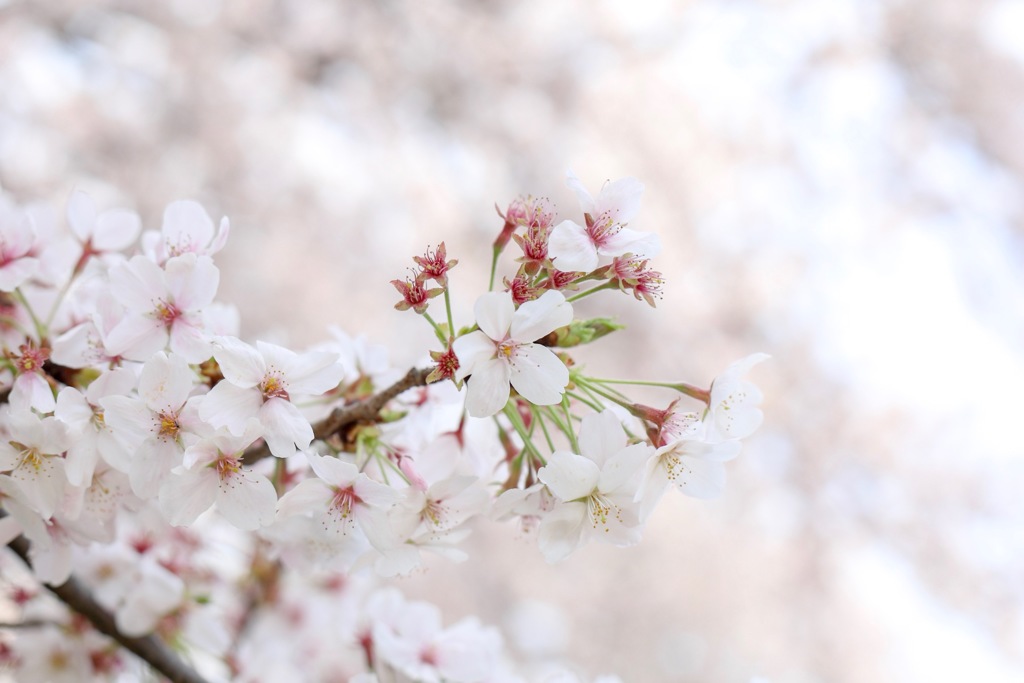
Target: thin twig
x=150 y=648
x=361 y=411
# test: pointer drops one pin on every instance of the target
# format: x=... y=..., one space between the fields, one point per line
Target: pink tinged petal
x=240 y=363
x=538 y=375
x=186 y=496
x=116 y=229
x=81 y=215
x=601 y=436
x=192 y=281
x=538 y=318
x=313 y=372
x=561 y=531
x=189 y=339
x=374 y=524
x=116 y=382
x=472 y=349
x=493 y=312
x=620 y=198
x=165 y=382
x=571 y=248
x=374 y=493
x=153 y=460
x=230 y=406
x=309 y=495
x=488 y=388
x=10 y=529
x=138 y=285
x=51 y=564
x=221 y=238
x=156 y=594
x=14 y=273
x=700 y=478
x=586 y=199
x=284 y=427
x=137 y=337
x=33 y=391
x=247 y=500
x=570 y=476
x=640 y=244
x=186 y=225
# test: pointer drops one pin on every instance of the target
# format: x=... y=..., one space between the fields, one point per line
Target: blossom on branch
x=502 y=352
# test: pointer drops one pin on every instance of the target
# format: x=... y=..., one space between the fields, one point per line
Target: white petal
x=138 y=285
x=493 y=312
x=334 y=471
x=626 y=241
x=165 y=382
x=472 y=349
x=601 y=436
x=229 y=406
x=247 y=500
x=136 y=337
x=192 y=281
x=153 y=460
x=240 y=363
x=538 y=375
x=190 y=340
x=81 y=215
x=620 y=199
x=284 y=427
x=14 y=273
x=701 y=478
x=621 y=474
x=186 y=225
x=576 y=185
x=488 y=388
x=186 y=496
x=129 y=417
x=309 y=495
x=571 y=248
x=116 y=229
x=570 y=476
x=313 y=372
x=536 y=319
x=561 y=531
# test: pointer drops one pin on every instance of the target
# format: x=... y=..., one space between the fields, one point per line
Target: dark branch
x=150 y=648
x=365 y=410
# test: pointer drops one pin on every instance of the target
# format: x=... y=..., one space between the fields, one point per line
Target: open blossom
x=17 y=238
x=31 y=458
x=502 y=352
x=575 y=247
x=216 y=478
x=164 y=307
x=110 y=230
x=734 y=408
x=260 y=382
x=595 y=489
x=159 y=423
x=186 y=229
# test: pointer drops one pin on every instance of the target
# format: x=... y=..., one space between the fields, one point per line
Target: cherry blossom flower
x=31 y=387
x=111 y=230
x=31 y=458
x=733 y=410
x=17 y=238
x=347 y=504
x=259 y=383
x=502 y=352
x=595 y=489
x=573 y=247
x=164 y=307
x=688 y=460
x=186 y=229
x=216 y=478
x=159 y=423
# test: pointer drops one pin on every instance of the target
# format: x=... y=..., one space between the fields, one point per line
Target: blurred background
x=836 y=183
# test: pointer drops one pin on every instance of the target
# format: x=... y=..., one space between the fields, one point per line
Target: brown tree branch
x=150 y=648
x=365 y=410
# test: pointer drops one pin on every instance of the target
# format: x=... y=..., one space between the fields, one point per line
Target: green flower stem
x=586 y=400
x=40 y=328
x=448 y=312
x=557 y=421
x=517 y=424
x=441 y=337
x=568 y=419
x=538 y=417
x=587 y=292
x=494 y=266
x=682 y=387
x=601 y=391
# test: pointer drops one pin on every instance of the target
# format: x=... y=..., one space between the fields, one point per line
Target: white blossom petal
x=537 y=374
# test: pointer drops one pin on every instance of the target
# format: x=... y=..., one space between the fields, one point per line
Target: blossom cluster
x=227 y=495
